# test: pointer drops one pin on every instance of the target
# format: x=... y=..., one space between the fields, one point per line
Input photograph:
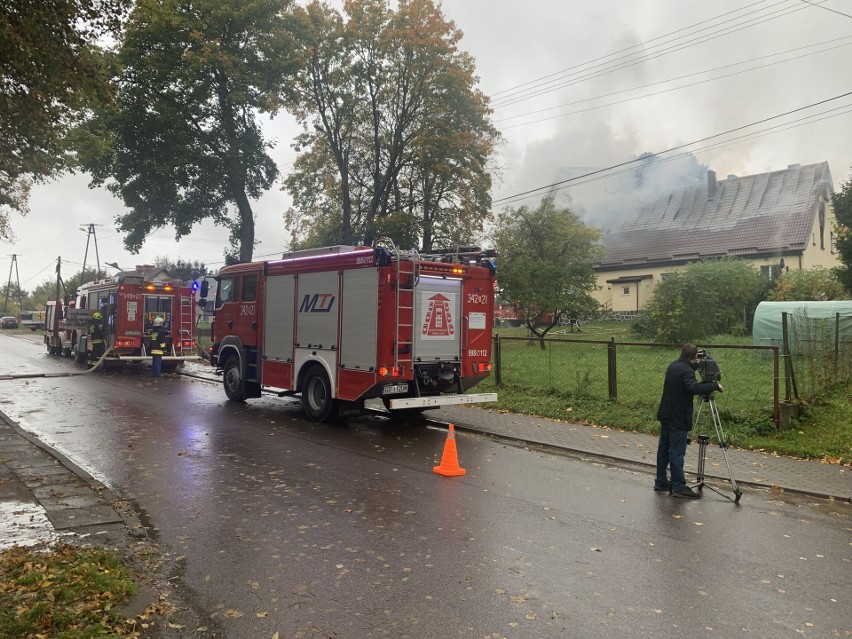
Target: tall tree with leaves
x=544 y=264
x=396 y=136
x=51 y=74
x=182 y=142
x=843 y=233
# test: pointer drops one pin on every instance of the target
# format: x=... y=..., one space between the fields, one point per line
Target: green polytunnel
x=810 y=324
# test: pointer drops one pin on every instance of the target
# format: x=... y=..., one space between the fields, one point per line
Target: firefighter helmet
x=97 y=315
x=158 y=321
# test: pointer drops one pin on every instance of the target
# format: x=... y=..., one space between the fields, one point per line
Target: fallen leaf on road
x=232 y=614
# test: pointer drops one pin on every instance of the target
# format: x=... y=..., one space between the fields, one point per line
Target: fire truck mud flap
x=441 y=400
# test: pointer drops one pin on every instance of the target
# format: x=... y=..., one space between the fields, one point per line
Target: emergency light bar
x=437 y=267
x=154 y=287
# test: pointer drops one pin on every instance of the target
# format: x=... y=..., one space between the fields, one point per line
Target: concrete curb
x=77 y=502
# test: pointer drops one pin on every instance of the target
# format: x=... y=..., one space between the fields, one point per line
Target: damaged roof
x=756 y=215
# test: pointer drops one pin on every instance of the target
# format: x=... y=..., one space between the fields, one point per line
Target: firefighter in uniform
x=159 y=337
x=96 y=337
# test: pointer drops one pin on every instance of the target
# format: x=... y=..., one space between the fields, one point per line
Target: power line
x=624 y=62
x=678 y=88
x=538 y=190
x=49 y=264
x=813 y=4
x=651 y=55
x=577 y=66
x=687 y=75
x=718 y=145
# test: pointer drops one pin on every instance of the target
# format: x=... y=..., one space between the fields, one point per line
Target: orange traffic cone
x=450 y=460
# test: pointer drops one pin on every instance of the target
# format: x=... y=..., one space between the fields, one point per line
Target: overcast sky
x=568 y=130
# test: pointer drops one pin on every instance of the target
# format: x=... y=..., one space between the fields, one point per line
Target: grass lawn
x=569 y=382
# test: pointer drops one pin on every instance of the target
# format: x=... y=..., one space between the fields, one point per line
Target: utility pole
x=90 y=231
x=14 y=265
x=59 y=276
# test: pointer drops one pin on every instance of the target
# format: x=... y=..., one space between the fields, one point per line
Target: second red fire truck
x=128 y=304
x=343 y=324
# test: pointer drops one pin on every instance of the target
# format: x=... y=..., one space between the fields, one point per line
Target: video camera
x=708 y=367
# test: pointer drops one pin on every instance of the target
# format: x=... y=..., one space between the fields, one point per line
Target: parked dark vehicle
x=8 y=322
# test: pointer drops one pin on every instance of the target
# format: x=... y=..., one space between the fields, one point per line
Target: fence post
x=776 y=411
x=789 y=374
x=836 y=341
x=611 y=376
x=497 y=366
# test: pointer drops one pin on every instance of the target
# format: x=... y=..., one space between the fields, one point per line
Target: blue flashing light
x=195 y=286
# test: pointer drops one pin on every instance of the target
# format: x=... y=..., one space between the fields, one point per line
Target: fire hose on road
x=97 y=365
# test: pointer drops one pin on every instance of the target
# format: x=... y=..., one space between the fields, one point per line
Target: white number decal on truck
x=247 y=309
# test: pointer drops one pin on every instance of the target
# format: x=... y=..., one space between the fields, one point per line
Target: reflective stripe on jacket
x=158 y=341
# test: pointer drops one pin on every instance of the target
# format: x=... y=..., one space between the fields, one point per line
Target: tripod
x=702 y=429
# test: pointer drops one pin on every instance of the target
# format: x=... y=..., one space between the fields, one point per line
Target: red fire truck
x=129 y=303
x=343 y=324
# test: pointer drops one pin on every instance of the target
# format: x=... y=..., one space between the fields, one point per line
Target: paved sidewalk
x=748 y=468
x=44 y=495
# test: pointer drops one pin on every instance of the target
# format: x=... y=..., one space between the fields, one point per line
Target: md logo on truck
x=317 y=303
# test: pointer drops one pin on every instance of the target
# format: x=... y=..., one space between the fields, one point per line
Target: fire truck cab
x=344 y=324
x=128 y=304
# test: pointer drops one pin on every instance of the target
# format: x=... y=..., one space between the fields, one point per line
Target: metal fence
x=820 y=353
x=632 y=371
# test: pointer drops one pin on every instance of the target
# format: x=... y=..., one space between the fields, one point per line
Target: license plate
x=395 y=389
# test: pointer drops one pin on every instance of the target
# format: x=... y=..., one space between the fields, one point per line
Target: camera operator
x=675 y=416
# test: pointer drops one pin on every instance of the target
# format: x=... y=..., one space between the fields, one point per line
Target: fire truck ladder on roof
x=186 y=319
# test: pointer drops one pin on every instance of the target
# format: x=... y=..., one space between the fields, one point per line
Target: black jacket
x=679 y=387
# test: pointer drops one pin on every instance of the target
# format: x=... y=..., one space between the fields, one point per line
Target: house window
x=625 y=290
x=771 y=272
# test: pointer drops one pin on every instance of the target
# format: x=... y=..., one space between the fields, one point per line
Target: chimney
x=711 y=184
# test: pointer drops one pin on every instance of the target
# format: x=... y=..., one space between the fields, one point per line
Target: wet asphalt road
x=308 y=530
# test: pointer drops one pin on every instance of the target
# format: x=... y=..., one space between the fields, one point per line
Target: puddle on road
x=24 y=524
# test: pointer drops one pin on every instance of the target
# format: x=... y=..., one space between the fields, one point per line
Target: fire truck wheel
x=235 y=388
x=317 y=401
